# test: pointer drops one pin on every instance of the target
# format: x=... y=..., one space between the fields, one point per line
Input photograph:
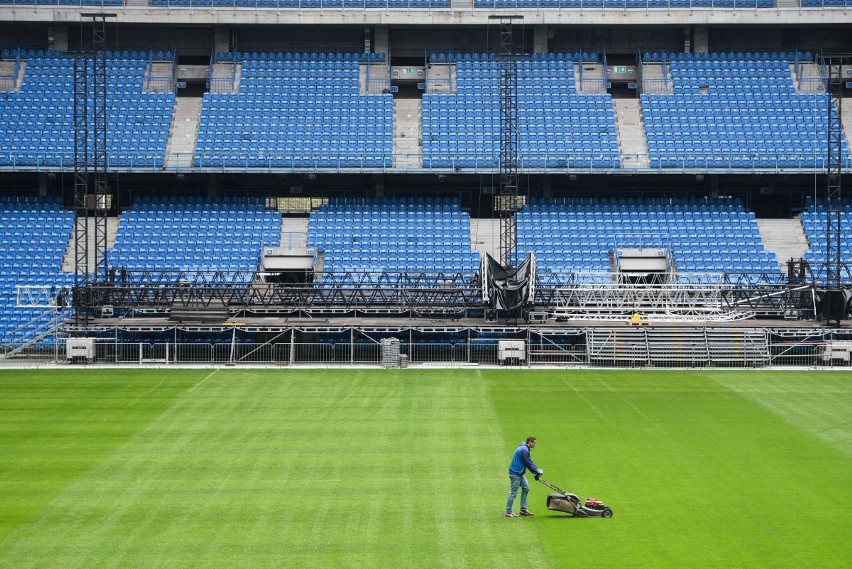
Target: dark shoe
x=526 y=513
x=511 y=515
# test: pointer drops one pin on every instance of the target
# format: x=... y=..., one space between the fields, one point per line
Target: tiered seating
x=33 y=235
x=814 y=222
x=304 y=3
x=36 y=123
x=194 y=234
x=558 y=127
x=521 y=4
x=296 y=110
x=64 y=2
x=576 y=235
x=393 y=235
x=734 y=111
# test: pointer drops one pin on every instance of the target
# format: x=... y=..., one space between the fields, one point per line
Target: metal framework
x=591 y=296
x=507 y=197
x=833 y=67
x=91 y=188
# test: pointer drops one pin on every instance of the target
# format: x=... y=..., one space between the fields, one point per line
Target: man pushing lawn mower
x=521 y=462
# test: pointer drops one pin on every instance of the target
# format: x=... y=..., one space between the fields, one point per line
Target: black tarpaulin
x=508 y=288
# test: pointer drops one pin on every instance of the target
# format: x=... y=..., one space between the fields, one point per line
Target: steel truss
x=832 y=66
x=91 y=189
x=603 y=296
x=507 y=201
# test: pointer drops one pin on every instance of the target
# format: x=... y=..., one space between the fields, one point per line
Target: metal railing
x=694 y=347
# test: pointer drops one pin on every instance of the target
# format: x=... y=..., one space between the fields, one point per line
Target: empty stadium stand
x=559 y=128
x=704 y=236
x=36 y=120
x=814 y=221
x=33 y=235
x=296 y=110
x=185 y=234
x=393 y=235
x=735 y=110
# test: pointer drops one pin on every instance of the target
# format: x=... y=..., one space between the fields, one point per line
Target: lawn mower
x=570 y=503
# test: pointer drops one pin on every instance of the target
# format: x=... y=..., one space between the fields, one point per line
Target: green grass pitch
x=365 y=468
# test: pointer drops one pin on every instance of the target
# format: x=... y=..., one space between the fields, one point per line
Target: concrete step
x=654 y=81
x=786 y=237
x=407 y=132
x=294 y=234
x=225 y=77
x=809 y=79
x=68 y=260
x=846 y=119
x=589 y=78
x=183 y=133
x=633 y=142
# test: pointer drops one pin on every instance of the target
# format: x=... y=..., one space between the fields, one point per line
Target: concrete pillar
x=221 y=38
x=541 y=39
x=57 y=37
x=545 y=186
x=381 y=40
x=700 y=39
x=212 y=185
x=42 y=184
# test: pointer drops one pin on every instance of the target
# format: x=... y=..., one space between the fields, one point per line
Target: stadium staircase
x=68 y=257
x=485 y=235
x=807 y=78
x=9 y=81
x=294 y=234
x=225 y=77
x=846 y=119
x=682 y=346
x=631 y=133
x=407 y=132
x=785 y=237
x=183 y=133
x=656 y=78
x=590 y=78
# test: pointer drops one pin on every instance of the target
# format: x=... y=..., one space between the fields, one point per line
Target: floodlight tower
x=507 y=197
x=91 y=189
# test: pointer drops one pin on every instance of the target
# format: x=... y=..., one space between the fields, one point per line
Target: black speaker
x=832 y=304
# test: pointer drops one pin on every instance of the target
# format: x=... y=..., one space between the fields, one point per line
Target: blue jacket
x=521 y=461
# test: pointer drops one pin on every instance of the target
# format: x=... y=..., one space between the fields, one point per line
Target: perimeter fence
x=619 y=348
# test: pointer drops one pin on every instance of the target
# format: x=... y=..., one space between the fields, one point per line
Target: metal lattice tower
x=507 y=197
x=91 y=188
x=834 y=84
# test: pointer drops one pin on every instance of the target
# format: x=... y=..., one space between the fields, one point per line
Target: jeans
x=515 y=481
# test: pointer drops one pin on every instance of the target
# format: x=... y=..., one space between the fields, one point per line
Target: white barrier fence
x=599 y=349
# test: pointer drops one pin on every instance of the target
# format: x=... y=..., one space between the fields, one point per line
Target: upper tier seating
x=522 y=4
x=64 y=2
x=301 y=110
x=405 y=234
x=36 y=122
x=194 y=234
x=305 y=3
x=33 y=235
x=734 y=112
x=814 y=223
x=558 y=127
x=577 y=234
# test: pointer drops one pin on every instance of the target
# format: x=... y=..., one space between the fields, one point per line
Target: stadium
x=617 y=225
x=565 y=183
